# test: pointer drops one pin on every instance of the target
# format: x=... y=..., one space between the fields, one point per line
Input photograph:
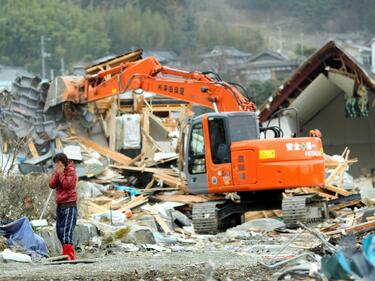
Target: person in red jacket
x=64 y=180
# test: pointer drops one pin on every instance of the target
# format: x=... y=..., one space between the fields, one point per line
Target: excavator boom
x=149 y=75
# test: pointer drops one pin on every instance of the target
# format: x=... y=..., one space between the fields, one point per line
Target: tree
x=259 y=91
x=307 y=51
x=69 y=32
x=212 y=33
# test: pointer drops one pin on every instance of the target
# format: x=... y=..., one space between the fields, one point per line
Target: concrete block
x=148 y=221
x=139 y=235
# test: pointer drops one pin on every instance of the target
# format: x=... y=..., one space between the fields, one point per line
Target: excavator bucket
x=66 y=88
x=63 y=89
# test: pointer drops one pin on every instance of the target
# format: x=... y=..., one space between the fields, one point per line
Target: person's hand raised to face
x=59 y=167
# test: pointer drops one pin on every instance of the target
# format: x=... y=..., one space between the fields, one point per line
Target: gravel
x=212 y=265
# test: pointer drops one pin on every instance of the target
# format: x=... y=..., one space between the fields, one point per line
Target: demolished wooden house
x=331 y=92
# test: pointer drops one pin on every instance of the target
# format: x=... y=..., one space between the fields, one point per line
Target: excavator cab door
x=208 y=153
x=195 y=166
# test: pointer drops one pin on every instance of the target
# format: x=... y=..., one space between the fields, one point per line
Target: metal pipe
x=215 y=107
x=332 y=249
x=286 y=245
x=307 y=254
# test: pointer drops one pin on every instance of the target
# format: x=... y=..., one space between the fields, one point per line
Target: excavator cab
x=224 y=153
x=209 y=146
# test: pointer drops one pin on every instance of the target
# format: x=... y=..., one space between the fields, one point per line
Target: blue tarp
x=21 y=233
x=369 y=249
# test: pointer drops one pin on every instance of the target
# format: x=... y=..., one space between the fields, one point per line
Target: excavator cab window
x=220 y=150
x=243 y=127
x=197 y=160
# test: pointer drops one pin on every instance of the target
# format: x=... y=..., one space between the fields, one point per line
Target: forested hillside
x=82 y=30
x=317 y=15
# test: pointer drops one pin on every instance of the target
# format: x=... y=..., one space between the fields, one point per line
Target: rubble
x=133 y=197
x=9 y=256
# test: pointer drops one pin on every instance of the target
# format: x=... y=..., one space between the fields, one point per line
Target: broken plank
x=100 y=200
x=187 y=199
x=59 y=145
x=160 y=220
x=337 y=190
x=32 y=148
x=362 y=227
x=95 y=208
x=135 y=202
x=150 y=190
x=105 y=151
x=137 y=158
x=154 y=142
x=344 y=205
x=124 y=58
x=340 y=168
x=319 y=192
x=168 y=180
x=158 y=175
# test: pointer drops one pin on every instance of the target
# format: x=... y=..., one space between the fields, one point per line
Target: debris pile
x=22 y=112
x=132 y=194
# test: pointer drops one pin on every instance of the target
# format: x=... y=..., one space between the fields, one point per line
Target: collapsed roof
x=318 y=80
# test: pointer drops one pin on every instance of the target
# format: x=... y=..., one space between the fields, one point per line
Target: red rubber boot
x=68 y=249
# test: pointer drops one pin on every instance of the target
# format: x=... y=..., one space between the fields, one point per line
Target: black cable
x=216 y=75
x=282 y=110
x=278 y=132
x=244 y=92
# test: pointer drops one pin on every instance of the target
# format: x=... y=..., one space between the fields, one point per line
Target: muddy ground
x=214 y=265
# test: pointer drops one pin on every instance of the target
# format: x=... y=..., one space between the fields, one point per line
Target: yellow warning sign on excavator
x=267 y=154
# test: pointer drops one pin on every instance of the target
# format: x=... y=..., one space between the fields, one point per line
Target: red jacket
x=65 y=184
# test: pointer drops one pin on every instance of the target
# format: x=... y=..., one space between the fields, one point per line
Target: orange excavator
x=224 y=152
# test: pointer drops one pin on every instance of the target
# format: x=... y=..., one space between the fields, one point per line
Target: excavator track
x=294 y=210
x=205 y=219
x=306 y=209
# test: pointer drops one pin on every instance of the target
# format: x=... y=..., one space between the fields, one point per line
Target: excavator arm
x=149 y=75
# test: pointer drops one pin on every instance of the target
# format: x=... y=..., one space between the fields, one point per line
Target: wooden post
x=112 y=125
x=181 y=140
x=146 y=145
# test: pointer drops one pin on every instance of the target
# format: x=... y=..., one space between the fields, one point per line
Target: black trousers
x=66 y=219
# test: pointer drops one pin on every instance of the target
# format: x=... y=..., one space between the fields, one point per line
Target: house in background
x=265 y=65
x=247 y=67
x=9 y=73
x=334 y=93
x=165 y=57
x=222 y=59
x=361 y=53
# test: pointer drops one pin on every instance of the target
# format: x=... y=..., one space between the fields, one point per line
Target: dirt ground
x=214 y=265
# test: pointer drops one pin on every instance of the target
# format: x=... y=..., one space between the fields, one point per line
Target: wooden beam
x=160 y=220
x=344 y=204
x=131 y=56
x=362 y=227
x=146 y=146
x=151 y=140
x=169 y=180
x=187 y=199
x=59 y=144
x=135 y=202
x=105 y=151
x=112 y=126
x=337 y=190
x=336 y=171
x=32 y=148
